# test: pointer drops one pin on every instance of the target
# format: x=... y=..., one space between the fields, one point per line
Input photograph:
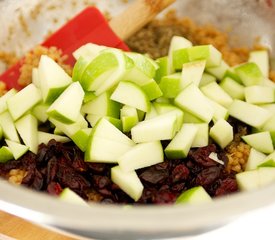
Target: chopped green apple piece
x=129 y=118
x=259 y=94
x=5 y=154
x=162 y=127
x=93 y=119
x=4 y=98
x=232 y=74
x=206 y=78
x=35 y=77
x=105 y=129
x=192 y=73
x=72 y=128
x=261 y=58
x=8 y=127
x=162 y=69
x=27 y=127
x=23 y=101
x=205 y=52
x=249 y=73
x=248 y=113
x=44 y=137
x=248 y=180
x=80 y=138
x=151 y=113
x=104 y=150
x=89 y=96
x=180 y=56
x=176 y=43
x=254 y=159
x=260 y=141
x=195 y=195
x=268 y=163
x=222 y=133
x=79 y=68
x=202 y=135
x=266 y=176
x=88 y=51
x=269 y=107
x=68 y=195
x=66 y=108
x=152 y=89
x=130 y=94
x=40 y=112
x=220 y=112
x=141 y=155
x=192 y=100
x=162 y=108
x=17 y=149
x=190 y=118
x=129 y=182
x=217 y=94
x=233 y=88
x=143 y=69
x=124 y=63
x=181 y=143
x=102 y=105
x=53 y=79
x=218 y=71
x=170 y=85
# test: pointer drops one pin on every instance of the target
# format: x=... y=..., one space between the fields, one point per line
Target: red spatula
x=91 y=26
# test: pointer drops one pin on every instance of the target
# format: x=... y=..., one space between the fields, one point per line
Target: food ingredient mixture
x=59 y=165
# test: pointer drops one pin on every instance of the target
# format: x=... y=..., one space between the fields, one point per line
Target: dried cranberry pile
x=58 y=165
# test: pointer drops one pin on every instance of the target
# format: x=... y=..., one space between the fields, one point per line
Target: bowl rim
x=47 y=210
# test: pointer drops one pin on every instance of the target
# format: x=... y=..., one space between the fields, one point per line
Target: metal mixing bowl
x=247 y=20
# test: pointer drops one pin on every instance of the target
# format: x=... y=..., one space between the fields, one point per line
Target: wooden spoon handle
x=138 y=14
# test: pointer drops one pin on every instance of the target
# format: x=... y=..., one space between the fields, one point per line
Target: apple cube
x=17 y=149
x=181 y=143
x=248 y=180
x=79 y=68
x=8 y=127
x=180 y=56
x=151 y=113
x=53 y=79
x=162 y=68
x=233 y=88
x=261 y=58
x=152 y=89
x=141 y=155
x=195 y=195
x=66 y=108
x=192 y=73
x=266 y=176
x=248 y=113
x=23 y=101
x=128 y=182
x=206 y=78
x=130 y=94
x=249 y=73
x=260 y=141
x=44 y=137
x=80 y=138
x=255 y=158
x=162 y=127
x=259 y=94
x=40 y=112
x=27 y=127
x=192 y=100
x=67 y=195
x=220 y=112
x=170 y=85
x=202 y=135
x=129 y=118
x=93 y=119
x=5 y=154
x=102 y=105
x=217 y=94
x=218 y=71
x=205 y=52
x=222 y=133
x=4 y=98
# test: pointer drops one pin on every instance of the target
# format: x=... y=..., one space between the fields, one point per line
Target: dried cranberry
x=52 y=168
x=164 y=197
x=208 y=176
x=153 y=175
x=180 y=173
x=101 y=181
x=201 y=155
x=54 y=188
x=227 y=186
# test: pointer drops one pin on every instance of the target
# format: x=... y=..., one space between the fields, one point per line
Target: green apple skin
x=222 y=133
x=67 y=195
x=163 y=68
x=79 y=68
x=195 y=195
x=80 y=138
x=233 y=88
x=170 y=85
x=129 y=182
x=5 y=154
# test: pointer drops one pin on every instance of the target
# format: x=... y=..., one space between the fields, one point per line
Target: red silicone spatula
x=91 y=26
